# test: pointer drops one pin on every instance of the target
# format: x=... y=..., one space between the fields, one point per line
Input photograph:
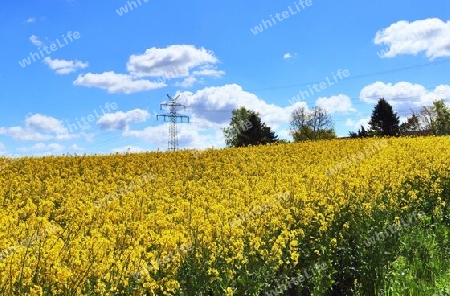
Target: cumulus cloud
x=19 y=133
x=38 y=127
x=431 y=36
x=404 y=94
x=43 y=148
x=187 y=82
x=185 y=62
x=334 y=104
x=76 y=149
x=214 y=104
x=356 y=124
x=117 y=83
x=64 y=66
x=39 y=122
x=208 y=72
x=189 y=136
x=175 y=61
x=210 y=109
x=121 y=120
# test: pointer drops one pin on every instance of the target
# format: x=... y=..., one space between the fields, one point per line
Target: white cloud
x=214 y=104
x=431 y=36
x=172 y=62
x=121 y=120
x=189 y=135
x=187 y=82
x=284 y=134
x=38 y=127
x=2 y=149
x=358 y=123
x=75 y=148
x=30 y=20
x=117 y=83
x=39 y=122
x=288 y=56
x=22 y=134
x=334 y=104
x=152 y=134
x=208 y=72
x=403 y=95
x=64 y=66
x=35 y=40
x=130 y=149
x=45 y=149
x=210 y=110
x=175 y=61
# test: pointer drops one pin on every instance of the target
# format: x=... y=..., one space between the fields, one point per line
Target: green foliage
x=311 y=125
x=431 y=120
x=411 y=125
x=307 y=133
x=441 y=125
x=247 y=129
x=379 y=258
x=421 y=267
x=362 y=133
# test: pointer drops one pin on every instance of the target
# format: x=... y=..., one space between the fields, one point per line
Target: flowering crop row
x=213 y=223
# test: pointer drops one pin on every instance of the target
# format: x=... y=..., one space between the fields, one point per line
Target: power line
x=386 y=96
x=357 y=76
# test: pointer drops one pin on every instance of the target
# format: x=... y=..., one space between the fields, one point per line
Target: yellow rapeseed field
x=232 y=219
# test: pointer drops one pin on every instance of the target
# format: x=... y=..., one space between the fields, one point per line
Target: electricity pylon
x=173 y=116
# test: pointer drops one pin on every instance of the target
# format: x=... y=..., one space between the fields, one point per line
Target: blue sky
x=114 y=63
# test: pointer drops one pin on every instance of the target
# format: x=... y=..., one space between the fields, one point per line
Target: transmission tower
x=173 y=116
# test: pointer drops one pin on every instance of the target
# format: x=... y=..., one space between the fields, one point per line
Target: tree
x=361 y=133
x=384 y=120
x=442 y=125
x=246 y=129
x=435 y=118
x=412 y=125
x=311 y=125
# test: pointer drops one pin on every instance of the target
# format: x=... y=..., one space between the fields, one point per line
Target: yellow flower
x=154 y=211
x=229 y=291
x=214 y=272
x=333 y=242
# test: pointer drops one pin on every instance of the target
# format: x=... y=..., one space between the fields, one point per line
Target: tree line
x=246 y=127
